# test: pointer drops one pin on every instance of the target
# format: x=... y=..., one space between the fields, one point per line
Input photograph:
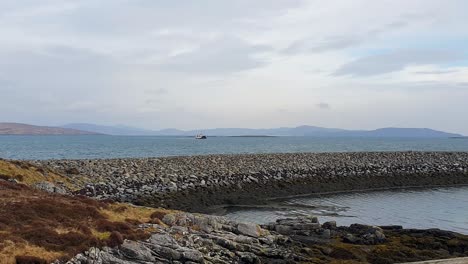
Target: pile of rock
x=218 y=176
x=304 y=229
x=195 y=238
x=51 y=187
x=308 y=230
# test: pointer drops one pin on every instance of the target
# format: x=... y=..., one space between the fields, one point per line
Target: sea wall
x=195 y=183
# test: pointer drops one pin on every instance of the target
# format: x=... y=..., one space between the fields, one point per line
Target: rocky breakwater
x=195 y=182
x=195 y=238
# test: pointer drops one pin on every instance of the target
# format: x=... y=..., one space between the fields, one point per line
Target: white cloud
x=225 y=55
x=213 y=63
x=397 y=60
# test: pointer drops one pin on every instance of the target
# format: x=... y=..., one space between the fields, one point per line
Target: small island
x=255 y=136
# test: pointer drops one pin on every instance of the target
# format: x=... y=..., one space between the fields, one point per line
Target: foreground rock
x=194 y=183
x=195 y=238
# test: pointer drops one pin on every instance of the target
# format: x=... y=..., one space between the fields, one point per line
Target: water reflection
x=444 y=208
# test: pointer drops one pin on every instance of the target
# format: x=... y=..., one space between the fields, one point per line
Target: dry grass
x=11 y=249
x=35 y=224
x=100 y=235
x=29 y=174
x=49 y=226
x=121 y=212
x=126 y=212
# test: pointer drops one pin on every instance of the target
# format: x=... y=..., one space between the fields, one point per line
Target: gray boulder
x=249 y=229
x=163 y=240
x=169 y=219
x=50 y=187
x=193 y=255
x=136 y=251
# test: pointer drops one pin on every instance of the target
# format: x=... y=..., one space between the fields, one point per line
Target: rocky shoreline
x=194 y=183
x=134 y=234
x=195 y=238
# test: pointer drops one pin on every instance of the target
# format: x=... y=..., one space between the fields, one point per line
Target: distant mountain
x=402 y=132
x=282 y=131
x=25 y=129
x=118 y=130
x=312 y=131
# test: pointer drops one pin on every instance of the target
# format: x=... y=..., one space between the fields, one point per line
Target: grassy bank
x=35 y=225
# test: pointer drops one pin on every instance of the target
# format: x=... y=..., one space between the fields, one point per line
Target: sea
x=445 y=208
x=422 y=208
x=100 y=146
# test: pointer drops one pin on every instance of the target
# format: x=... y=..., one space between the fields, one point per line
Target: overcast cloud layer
x=357 y=64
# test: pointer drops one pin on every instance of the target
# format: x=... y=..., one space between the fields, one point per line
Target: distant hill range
x=118 y=130
x=313 y=131
x=25 y=129
x=283 y=131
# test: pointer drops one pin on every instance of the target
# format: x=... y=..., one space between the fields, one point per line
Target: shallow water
x=91 y=146
x=444 y=208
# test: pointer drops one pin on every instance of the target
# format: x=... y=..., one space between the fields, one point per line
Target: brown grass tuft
x=30 y=174
x=158 y=214
x=10 y=250
x=58 y=226
x=115 y=239
x=35 y=224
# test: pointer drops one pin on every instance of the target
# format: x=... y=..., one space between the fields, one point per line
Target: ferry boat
x=200 y=136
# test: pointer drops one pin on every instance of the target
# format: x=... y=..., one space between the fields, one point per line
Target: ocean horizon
x=104 y=146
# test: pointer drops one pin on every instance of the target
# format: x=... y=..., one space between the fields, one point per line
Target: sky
x=154 y=64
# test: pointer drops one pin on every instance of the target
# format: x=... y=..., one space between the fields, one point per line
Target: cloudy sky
x=240 y=63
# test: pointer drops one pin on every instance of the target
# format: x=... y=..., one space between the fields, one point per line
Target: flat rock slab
x=442 y=261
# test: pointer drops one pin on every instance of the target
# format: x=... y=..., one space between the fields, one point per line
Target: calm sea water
x=444 y=208
x=81 y=147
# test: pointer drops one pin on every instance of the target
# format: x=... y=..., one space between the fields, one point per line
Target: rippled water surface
x=444 y=208
x=80 y=147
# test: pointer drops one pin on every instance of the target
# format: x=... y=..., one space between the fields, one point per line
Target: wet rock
x=329 y=225
x=363 y=234
x=392 y=227
x=283 y=229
